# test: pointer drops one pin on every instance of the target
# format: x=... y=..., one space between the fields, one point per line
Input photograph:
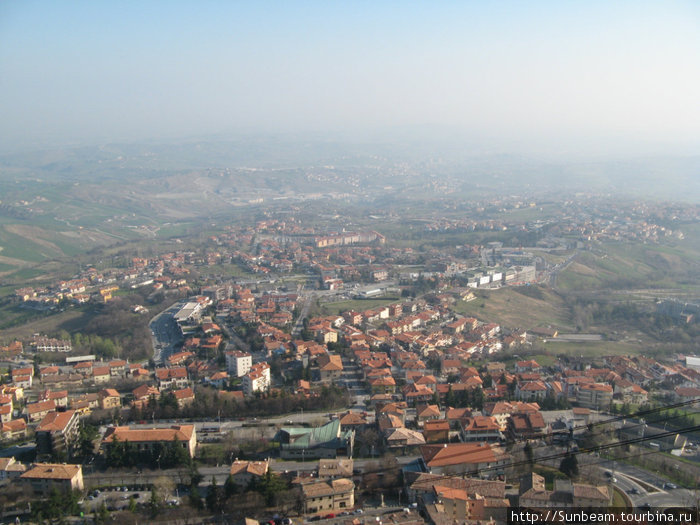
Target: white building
x=257 y=379
x=238 y=363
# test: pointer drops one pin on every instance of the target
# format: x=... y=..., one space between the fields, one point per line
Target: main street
x=165 y=334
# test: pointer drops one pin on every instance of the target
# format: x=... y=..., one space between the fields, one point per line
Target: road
x=165 y=334
x=554 y=273
x=352 y=380
x=221 y=472
x=630 y=478
x=307 y=301
x=235 y=342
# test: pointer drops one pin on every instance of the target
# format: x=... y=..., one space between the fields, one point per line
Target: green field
x=543 y=359
x=358 y=305
x=594 y=349
x=228 y=270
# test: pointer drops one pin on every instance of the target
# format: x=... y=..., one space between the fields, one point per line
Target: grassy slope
x=70 y=320
x=670 y=264
x=512 y=309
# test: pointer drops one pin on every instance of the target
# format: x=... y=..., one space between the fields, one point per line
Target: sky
x=560 y=77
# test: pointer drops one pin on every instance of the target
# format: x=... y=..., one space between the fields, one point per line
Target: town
x=338 y=373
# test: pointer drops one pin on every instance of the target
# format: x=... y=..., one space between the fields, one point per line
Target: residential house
x=5 y=413
x=457 y=417
x=534 y=495
x=581 y=415
x=117 y=367
x=422 y=485
x=502 y=410
x=325 y=496
x=382 y=385
x=353 y=421
x=531 y=391
x=85 y=404
x=218 y=379
x=57 y=432
x=244 y=472
x=22 y=381
x=47 y=477
x=597 y=396
x=426 y=413
x=257 y=379
x=83 y=368
x=109 y=399
x=629 y=392
x=144 y=439
x=401 y=437
x=458 y=506
x=19 y=376
x=60 y=397
x=14 y=429
x=10 y=468
x=686 y=394
x=481 y=428
x=184 y=397
x=436 y=431
x=464 y=458
x=417 y=394
x=171 y=378
x=37 y=411
x=143 y=394
x=238 y=363
x=527 y=366
x=528 y=425
x=48 y=371
x=330 y=367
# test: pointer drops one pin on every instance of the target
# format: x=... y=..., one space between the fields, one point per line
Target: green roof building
x=327 y=441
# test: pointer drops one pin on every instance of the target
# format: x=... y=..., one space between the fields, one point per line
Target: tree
x=87 y=434
x=268 y=486
x=103 y=514
x=163 y=486
x=569 y=465
x=529 y=454
x=195 y=477
x=230 y=487
x=214 y=497
x=195 y=498
x=154 y=502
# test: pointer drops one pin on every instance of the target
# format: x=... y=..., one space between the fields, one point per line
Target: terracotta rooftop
x=41 y=406
x=174 y=433
x=256 y=468
x=171 y=373
x=52 y=471
x=327 y=488
x=185 y=393
x=55 y=421
x=457 y=453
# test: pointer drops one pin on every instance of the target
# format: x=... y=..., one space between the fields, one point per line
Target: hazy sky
x=576 y=76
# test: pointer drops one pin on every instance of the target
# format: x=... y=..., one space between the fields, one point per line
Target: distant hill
x=57 y=203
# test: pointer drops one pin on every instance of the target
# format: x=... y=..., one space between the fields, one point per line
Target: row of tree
x=209 y=403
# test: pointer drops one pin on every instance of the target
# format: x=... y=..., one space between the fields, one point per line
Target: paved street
x=165 y=334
